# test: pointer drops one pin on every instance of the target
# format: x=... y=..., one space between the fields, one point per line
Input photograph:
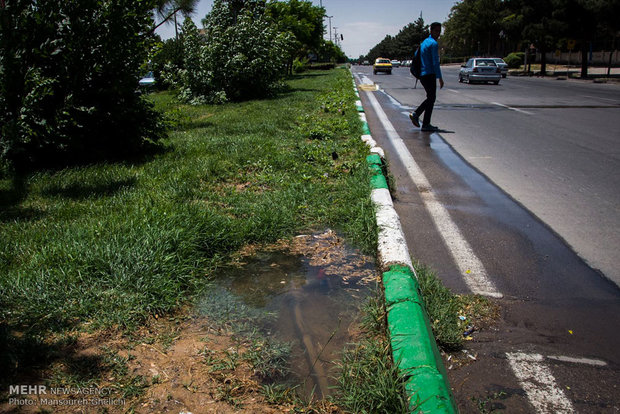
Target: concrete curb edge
x=414 y=348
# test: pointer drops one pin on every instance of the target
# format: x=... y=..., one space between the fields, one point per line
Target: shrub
x=68 y=81
x=240 y=57
x=514 y=60
x=300 y=65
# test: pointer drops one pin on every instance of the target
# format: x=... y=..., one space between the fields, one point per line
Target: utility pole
x=335 y=36
x=330 y=26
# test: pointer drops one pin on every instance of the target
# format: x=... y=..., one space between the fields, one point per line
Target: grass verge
x=110 y=245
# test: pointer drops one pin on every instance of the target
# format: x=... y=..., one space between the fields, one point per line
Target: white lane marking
x=600 y=97
x=539 y=384
x=587 y=361
x=453 y=90
x=469 y=265
x=512 y=109
x=365 y=80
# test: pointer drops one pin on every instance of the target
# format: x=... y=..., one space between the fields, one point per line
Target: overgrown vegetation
x=240 y=56
x=68 y=82
x=368 y=380
x=111 y=244
x=452 y=315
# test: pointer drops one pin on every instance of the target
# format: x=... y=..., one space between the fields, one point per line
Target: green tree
x=584 y=21
x=68 y=81
x=241 y=56
x=303 y=21
x=167 y=10
x=473 y=28
x=401 y=46
x=538 y=25
x=330 y=52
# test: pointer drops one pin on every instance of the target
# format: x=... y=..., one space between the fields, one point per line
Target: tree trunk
x=543 y=59
x=584 y=60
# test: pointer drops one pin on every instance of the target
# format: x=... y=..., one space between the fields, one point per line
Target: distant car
x=480 y=70
x=502 y=65
x=148 y=80
x=395 y=63
x=382 y=65
x=365 y=63
x=406 y=63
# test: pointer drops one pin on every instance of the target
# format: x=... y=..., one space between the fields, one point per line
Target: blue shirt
x=429 y=49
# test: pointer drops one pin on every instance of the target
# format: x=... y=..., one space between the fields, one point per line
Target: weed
x=230 y=391
x=444 y=309
x=279 y=394
x=374 y=316
x=228 y=362
x=368 y=381
x=486 y=405
x=269 y=359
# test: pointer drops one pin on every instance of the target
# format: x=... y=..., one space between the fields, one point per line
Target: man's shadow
x=426 y=135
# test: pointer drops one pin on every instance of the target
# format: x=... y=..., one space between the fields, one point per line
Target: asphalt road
x=553 y=145
x=527 y=172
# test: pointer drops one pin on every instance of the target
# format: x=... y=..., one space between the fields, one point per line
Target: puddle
x=305 y=293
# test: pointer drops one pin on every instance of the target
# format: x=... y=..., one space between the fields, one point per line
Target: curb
x=414 y=348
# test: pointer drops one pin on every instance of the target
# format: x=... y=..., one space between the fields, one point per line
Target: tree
x=538 y=25
x=473 y=27
x=302 y=20
x=401 y=46
x=330 y=52
x=68 y=81
x=580 y=19
x=241 y=56
x=168 y=9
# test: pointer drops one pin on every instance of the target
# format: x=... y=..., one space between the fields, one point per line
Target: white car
x=503 y=66
x=395 y=63
x=147 y=80
x=480 y=70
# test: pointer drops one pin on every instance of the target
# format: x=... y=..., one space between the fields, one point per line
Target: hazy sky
x=363 y=23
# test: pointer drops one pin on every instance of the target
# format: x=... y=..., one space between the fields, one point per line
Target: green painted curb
x=413 y=346
x=375 y=170
x=359 y=108
x=378 y=181
x=374 y=159
x=366 y=129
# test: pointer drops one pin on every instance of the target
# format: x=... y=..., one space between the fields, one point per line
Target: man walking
x=429 y=54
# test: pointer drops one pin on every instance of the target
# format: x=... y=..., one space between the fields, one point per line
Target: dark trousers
x=429 y=82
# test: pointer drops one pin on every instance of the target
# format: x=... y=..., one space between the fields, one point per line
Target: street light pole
x=330 y=26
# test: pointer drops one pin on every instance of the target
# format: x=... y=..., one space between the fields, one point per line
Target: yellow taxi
x=382 y=65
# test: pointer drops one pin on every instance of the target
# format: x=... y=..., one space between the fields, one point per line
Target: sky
x=362 y=23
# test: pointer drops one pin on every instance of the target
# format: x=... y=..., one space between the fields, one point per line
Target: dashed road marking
x=470 y=267
x=600 y=97
x=512 y=109
x=539 y=384
x=587 y=361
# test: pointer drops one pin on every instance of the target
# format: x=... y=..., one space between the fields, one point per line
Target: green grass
x=111 y=244
x=368 y=380
x=444 y=309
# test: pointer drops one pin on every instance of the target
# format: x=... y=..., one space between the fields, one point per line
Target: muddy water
x=313 y=290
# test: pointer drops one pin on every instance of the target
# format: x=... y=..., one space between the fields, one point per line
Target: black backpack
x=416 y=64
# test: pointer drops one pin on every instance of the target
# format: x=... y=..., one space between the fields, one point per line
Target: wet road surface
x=555 y=348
